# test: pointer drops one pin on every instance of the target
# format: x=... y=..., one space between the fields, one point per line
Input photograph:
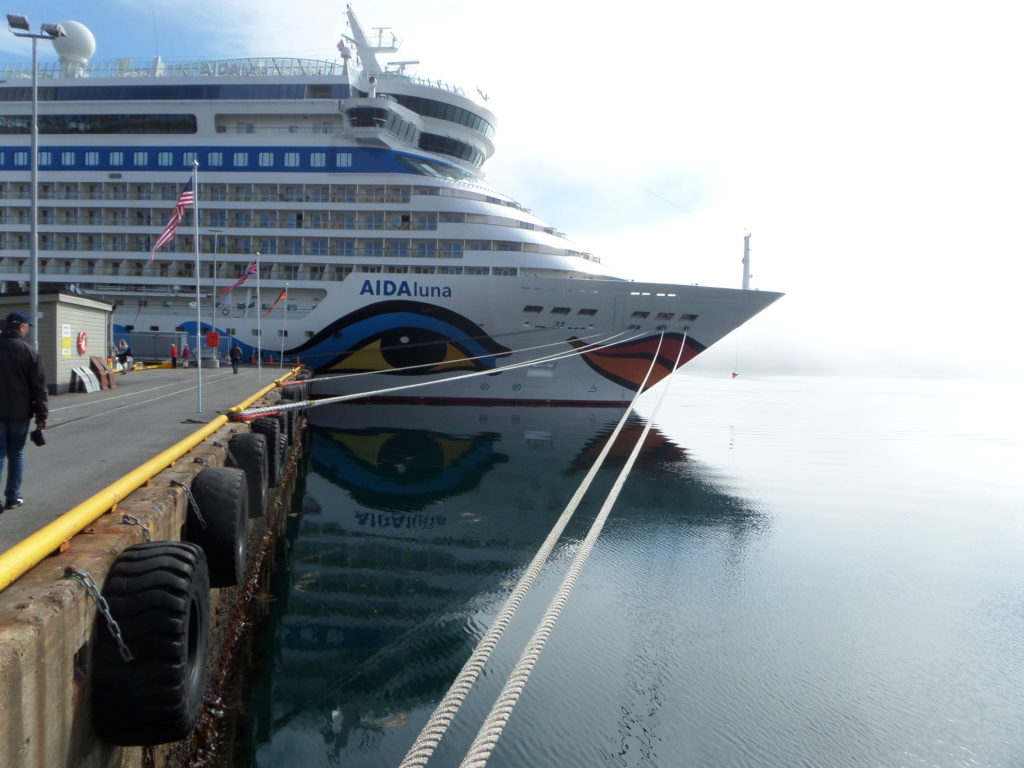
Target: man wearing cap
x=22 y=397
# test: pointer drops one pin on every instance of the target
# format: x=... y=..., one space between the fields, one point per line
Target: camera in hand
x=37 y=437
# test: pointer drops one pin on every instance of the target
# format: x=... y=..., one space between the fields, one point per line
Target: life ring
x=225 y=312
x=157 y=697
x=222 y=495
x=82 y=342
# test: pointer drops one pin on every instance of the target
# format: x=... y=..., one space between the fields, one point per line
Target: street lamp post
x=18 y=26
x=213 y=293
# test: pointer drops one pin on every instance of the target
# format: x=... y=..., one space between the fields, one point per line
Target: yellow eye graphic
x=401 y=337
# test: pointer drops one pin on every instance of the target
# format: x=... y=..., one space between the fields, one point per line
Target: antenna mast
x=746 y=262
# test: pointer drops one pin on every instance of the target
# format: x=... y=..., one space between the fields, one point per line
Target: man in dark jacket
x=22 y=397
x=235 y=355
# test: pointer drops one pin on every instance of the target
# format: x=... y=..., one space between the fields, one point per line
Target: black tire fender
x=222 y=495
x=270 y=427
x=159 y=595
x=287 y=421
x=248 y=452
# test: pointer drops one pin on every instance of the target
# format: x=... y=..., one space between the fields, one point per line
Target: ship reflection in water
x=414 y=524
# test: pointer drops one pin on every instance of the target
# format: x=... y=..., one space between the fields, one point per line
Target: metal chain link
x=193 y=504
x=133 y=520
x=87 y=581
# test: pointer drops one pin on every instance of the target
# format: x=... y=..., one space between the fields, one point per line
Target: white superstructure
x=357 y=188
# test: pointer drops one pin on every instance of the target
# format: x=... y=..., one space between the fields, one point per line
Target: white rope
x=430 y=736
x=489 y=733
x=459 y=360
x=252 y=412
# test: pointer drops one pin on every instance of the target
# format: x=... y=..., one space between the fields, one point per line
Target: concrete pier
x=48 y=622
x=93 y=439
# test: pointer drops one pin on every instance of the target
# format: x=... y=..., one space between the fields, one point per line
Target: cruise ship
x=341 y=219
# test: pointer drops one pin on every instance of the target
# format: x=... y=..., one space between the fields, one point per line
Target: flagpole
x=259 y=325
x=199 y=303
x=284 y=325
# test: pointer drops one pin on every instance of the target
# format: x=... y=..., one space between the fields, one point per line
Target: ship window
x=505 y=271
x=240 y=159
x=266 y=159
x=560 y=310
x=532 y=308
x=688 y=317
x=92 y=158
x=255 y=331
x=165 y=158
x=449 y=270
x=21 y=158
x=451 y=249
x=230 y=331
x=665 y=315
x=343 y=159
x=215 y=158
x=45 y=158
x=244 y=128
x=424 y=249
x=452 y=218
x=478 y=270
x=140 y=158
x=67 y=158
x=291 y=159
x=641 y=315
x=188 y=158
x=588 y=312
x=316 y=160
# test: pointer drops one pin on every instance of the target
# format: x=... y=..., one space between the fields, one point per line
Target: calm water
x=799 y=572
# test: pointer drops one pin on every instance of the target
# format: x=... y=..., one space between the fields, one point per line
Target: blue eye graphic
x=392 y=335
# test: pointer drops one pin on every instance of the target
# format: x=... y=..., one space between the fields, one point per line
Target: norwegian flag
x=185 y=199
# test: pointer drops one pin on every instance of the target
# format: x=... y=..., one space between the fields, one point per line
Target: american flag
x=250 y=271
x=185 y=199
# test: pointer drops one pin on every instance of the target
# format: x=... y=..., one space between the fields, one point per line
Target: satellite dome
x=79 y=44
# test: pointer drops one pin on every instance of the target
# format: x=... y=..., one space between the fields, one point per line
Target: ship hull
x=404 y=338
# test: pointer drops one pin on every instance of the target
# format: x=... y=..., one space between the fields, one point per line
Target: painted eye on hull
x=402 y=337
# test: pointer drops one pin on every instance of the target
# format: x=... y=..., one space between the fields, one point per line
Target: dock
x=92 y=439
x=198 y=501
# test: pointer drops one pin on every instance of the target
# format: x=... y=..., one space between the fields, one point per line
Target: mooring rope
x=252 y=413
x=430 y=736
x=403 y=369
x=489 y=733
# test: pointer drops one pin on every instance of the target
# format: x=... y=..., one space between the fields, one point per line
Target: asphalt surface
x=93 y=439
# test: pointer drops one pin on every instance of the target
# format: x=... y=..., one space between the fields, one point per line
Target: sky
x=874 y=152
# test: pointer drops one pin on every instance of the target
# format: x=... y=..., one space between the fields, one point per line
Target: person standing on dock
x=186 y=355
x=22 y=396
x=174 y=355
x=235 y=356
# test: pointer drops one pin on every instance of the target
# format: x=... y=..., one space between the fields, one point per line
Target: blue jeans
x=12 y=445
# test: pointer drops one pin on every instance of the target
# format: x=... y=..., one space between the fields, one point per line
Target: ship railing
x=126 y=67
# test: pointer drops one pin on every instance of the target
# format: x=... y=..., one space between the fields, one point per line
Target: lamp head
x=17 y=21
x=53 y=30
